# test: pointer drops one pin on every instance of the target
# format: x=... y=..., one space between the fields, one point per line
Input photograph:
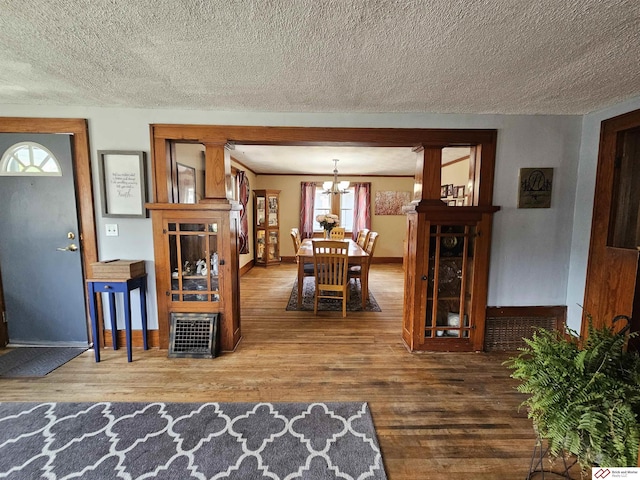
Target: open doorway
x=219 y=142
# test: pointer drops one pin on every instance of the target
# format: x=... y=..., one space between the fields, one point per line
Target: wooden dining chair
x=337 y=233
x=297 y=241
x=330 y=260
x=363 y=236
x=355 y=271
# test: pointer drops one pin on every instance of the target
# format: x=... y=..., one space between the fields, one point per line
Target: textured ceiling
x=440 y=56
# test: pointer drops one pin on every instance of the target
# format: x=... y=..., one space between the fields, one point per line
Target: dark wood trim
x=374 y=137
x=153 y=339
x=78 y=129
x=558 y=311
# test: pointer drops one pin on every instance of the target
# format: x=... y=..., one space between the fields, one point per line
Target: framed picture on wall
x=450 y=190
x=443 y=191
x=122 y=183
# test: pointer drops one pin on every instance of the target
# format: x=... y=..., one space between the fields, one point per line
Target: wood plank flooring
x=437 y=415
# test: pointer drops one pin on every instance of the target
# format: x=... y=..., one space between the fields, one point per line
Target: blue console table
x=124 y=286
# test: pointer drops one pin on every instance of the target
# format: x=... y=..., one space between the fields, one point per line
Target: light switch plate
x=111 y=229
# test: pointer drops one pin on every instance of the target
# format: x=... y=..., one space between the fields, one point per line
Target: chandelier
x=335 y=187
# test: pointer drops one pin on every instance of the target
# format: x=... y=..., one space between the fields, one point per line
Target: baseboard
x=246 y=267
x=153 y=339
x=505 y=327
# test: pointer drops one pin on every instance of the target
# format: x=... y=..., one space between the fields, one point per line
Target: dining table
x=356 y=256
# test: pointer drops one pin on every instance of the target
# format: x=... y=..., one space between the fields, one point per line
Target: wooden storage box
x=117 y=269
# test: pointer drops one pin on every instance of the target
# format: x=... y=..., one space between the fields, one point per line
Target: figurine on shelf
x=187 y=269
x=214 y=264
x=200 y=264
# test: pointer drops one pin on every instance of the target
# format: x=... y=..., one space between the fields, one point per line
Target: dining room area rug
x=168 y=441
x=354 y=304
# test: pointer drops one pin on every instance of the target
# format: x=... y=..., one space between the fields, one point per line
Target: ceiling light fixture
x=335 y=187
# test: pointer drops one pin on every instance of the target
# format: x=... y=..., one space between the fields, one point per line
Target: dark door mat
x=36 y=361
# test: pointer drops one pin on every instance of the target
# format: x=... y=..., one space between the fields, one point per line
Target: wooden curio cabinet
x=266 y=227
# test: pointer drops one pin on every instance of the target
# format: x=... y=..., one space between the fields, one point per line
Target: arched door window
x=29 y=159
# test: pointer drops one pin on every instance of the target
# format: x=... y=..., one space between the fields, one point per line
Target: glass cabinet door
x=193 y=258
x=260 y=245
x=273 y=210
x=274 y=246
x=260 y=211
x=449 y=282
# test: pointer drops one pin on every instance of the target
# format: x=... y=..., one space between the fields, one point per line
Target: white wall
x=531 y=248
x=586 y=180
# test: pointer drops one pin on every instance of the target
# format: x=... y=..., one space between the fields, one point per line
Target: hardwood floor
x=437 y=415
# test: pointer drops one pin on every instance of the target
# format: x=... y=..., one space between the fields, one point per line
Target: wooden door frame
x=321 y=136
x=81 y=159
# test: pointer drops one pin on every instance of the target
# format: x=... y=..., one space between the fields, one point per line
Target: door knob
x=72 y=247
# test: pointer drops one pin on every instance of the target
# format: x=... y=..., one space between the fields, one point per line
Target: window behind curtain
x=322 y=205
x=346 y=210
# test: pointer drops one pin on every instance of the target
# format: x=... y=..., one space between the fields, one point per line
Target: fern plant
x=584 y=396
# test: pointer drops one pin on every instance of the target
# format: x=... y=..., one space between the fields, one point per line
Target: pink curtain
x=307 y=201
x=243 y=194
x=361 y=208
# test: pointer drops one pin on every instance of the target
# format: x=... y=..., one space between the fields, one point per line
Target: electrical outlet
x=111 y=229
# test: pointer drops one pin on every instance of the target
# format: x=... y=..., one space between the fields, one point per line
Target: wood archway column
x=426 y=192
x=427 y=211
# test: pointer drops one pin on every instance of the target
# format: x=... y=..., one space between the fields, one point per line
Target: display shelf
x=266 y=227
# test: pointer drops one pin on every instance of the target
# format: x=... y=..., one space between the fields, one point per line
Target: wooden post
x=426 y=187
x=217 y=171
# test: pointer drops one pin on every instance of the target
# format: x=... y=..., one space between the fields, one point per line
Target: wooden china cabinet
x=195 y=245
x=447 y=259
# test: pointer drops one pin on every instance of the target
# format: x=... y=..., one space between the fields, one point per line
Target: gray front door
x=41 y=272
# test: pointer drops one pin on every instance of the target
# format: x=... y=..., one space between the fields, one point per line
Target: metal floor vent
x=193 y=335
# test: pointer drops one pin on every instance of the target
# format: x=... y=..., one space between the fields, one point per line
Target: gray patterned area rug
x=36 y=361
x=354 y=304
x=175 y=441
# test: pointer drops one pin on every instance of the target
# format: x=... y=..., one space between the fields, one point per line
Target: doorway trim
x=78 y=129
x=218 y=171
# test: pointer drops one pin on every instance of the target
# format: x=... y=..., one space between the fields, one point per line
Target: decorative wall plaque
x=535 y=188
